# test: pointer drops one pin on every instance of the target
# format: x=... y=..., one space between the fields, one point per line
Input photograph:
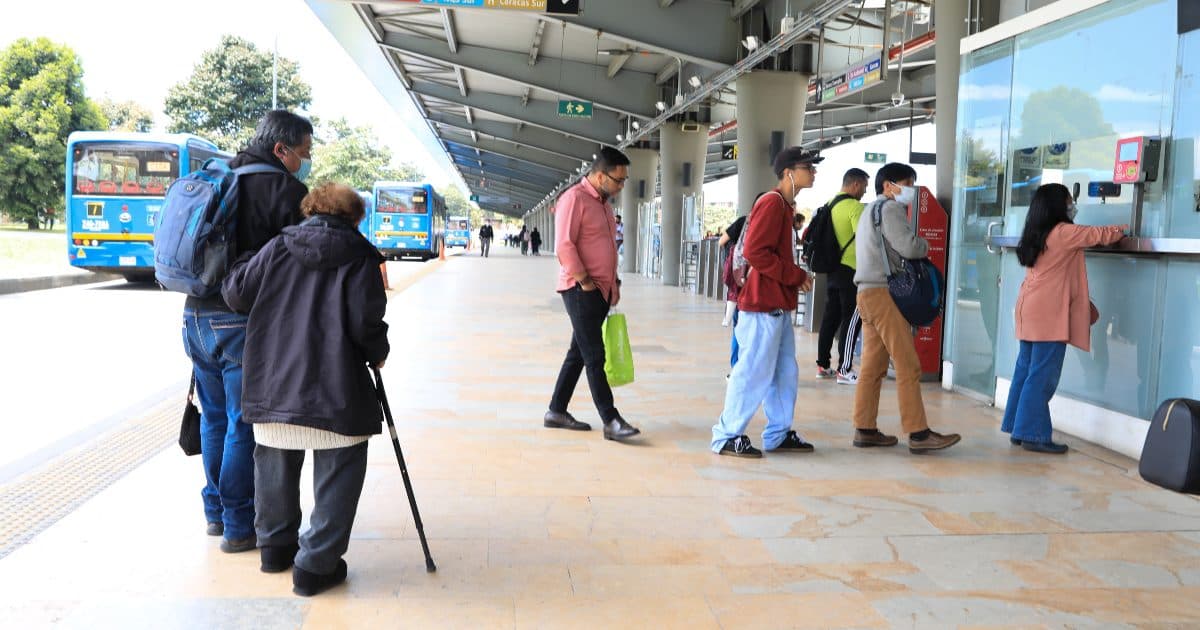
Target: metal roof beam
x=448 y=26
x=499 y=176
x=536 y=46
x=537 y=160
x=532 y=137
x=535 y=181
x=603 y=125
x=632 y=93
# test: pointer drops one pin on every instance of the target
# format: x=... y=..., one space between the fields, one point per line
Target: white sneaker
x=725 y=323
x=847 y=378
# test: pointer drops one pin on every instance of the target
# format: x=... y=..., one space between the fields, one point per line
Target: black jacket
x=267 y=202
x=486 y=232
x=316 y=301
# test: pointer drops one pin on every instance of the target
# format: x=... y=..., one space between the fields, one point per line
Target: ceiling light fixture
x=637 y=125
x=620 y=138
x=694 y=81
x=751 y=43
x=660 y=106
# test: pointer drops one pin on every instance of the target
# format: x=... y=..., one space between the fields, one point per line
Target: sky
x=124 y=62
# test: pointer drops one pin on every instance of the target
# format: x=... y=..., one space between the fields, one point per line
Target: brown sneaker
x=934 y=442
x=868 y=440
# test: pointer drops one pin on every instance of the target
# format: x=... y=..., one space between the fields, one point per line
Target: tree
x=229 y=91
x=126 y=115
x=353 y=156
x=457 y=205
x=717 y=218
x=41 y=102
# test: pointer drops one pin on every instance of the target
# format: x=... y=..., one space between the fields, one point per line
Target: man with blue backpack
x=210 y=218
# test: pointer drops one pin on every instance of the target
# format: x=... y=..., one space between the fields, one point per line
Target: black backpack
x=821 y=251
x=1171 y=455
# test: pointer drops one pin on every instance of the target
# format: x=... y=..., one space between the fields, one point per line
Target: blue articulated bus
x=408 y=220
x=458 y=232
x=115 y=185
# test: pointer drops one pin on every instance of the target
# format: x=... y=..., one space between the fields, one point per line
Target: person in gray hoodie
x=886 y=334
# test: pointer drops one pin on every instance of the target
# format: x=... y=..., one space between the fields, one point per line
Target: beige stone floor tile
x=632 y=580
x=467 y=613
x=807 y=610
x=585 y=612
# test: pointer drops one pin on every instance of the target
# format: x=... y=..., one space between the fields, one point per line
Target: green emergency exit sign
x=574 y=109
x=875 y=158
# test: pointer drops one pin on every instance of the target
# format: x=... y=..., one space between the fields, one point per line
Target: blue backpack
x=196 y=233
x=917 y=287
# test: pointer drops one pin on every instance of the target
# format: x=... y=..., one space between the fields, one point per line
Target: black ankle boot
x=278 y=558
x=307 y=584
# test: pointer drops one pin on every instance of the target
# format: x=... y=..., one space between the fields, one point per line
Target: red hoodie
x=775 y=278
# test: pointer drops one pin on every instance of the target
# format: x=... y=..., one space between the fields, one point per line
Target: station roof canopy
x=518 y=95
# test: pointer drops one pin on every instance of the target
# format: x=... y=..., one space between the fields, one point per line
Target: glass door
x=985 y=90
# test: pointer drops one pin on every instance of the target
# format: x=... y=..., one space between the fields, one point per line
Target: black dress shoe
x=1014 y=441
x=564 y=420
x=618 y=429
x=307 y=584
x=277 y=558
x=1045 y=447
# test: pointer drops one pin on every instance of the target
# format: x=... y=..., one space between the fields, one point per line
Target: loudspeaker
x=775 y=147
x=687 y=174
x=641 y=189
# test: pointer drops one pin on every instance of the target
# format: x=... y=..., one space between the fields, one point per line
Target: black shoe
x=618 y=429
x=239 y=545
x=307 y=584
x=740 y=447
x=793 y=442
x=564 y=420
x=278 y=558
x=1014 y=441
x=1045 y=447
x=215 y=529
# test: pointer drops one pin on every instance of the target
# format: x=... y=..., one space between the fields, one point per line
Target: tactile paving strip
x=35 y=501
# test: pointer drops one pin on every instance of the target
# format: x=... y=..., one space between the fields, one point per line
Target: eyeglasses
x=619 y=180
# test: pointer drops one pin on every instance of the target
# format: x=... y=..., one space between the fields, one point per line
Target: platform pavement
x=537 y=528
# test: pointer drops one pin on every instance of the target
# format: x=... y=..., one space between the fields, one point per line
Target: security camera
x=897 y=99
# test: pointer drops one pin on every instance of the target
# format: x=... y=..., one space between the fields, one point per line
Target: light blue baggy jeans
x=765 y=374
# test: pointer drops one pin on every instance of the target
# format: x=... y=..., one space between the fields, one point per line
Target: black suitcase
x=1171 y=455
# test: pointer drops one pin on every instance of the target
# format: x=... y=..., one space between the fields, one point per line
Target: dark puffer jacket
x=316 y=301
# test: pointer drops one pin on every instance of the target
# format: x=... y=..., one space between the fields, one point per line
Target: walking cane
x=412 y=500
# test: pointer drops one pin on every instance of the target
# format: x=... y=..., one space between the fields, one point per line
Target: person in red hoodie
x=766 y=372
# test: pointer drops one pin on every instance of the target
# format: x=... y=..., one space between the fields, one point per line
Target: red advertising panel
x=932 y=224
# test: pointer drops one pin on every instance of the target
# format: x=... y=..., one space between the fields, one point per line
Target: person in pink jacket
x=1053 y=310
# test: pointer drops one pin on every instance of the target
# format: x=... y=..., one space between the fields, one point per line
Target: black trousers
x=587 y=310
x=841 y=298
x=338 y=475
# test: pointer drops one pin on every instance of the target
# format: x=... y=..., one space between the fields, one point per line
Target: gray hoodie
x=902 y=241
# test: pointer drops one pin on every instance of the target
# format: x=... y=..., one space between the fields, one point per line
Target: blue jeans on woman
x=1035 y=378
x=214 y=341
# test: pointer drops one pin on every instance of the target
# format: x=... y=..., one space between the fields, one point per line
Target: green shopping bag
x=618 y=356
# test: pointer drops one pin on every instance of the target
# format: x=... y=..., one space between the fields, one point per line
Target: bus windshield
x=138 y=170
x=401 y=200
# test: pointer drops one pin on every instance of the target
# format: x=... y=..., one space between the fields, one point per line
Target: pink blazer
x=1053 y=303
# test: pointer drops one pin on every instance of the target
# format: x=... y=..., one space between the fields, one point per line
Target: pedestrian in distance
x=1053 y=310
x=215 y=335
x=845 y=209
x=620 y=236
x=766 y=371
x=524 y=236
x=886 y=334
x=585 y=244
x=315 y=302
x=485 y=240
x=535 y=242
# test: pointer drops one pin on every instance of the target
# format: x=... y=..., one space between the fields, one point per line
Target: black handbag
x=917 y=287
x=189 y=428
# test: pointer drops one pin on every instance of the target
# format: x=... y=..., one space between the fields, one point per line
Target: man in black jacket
x=485 y=240
x=214 y=335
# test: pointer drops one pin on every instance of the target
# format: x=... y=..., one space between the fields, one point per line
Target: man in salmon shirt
x=586 y=246
x=766 y=372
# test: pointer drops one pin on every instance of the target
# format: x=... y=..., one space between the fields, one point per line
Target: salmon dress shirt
x=1053 y=304
x=585 y=230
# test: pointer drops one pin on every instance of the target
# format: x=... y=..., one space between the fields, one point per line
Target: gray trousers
x=338 y=475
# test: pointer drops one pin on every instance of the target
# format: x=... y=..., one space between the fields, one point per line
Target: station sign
x=574 y=109
x=875 y=158
x=558 y=7
x=856 y=78
x=475 y=198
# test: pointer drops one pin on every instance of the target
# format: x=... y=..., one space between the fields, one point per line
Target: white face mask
x=906 y=194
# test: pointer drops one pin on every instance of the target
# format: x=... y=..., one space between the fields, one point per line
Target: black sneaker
x=740 y=447
x=249 y=543
x=794 y=443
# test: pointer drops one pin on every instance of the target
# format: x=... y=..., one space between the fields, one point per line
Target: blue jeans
x=214 y=341
x=1035 y=378
x=765 y=374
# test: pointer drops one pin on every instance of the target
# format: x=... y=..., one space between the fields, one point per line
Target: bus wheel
x=139 y=278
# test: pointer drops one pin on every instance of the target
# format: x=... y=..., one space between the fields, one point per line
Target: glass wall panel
x=984 y=93
x=1079 y=84
x=1179 y=370
x=1184 y=150
x=1119 y=373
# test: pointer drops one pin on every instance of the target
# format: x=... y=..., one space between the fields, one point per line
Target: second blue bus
x=458 y=232
x=408 y=220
